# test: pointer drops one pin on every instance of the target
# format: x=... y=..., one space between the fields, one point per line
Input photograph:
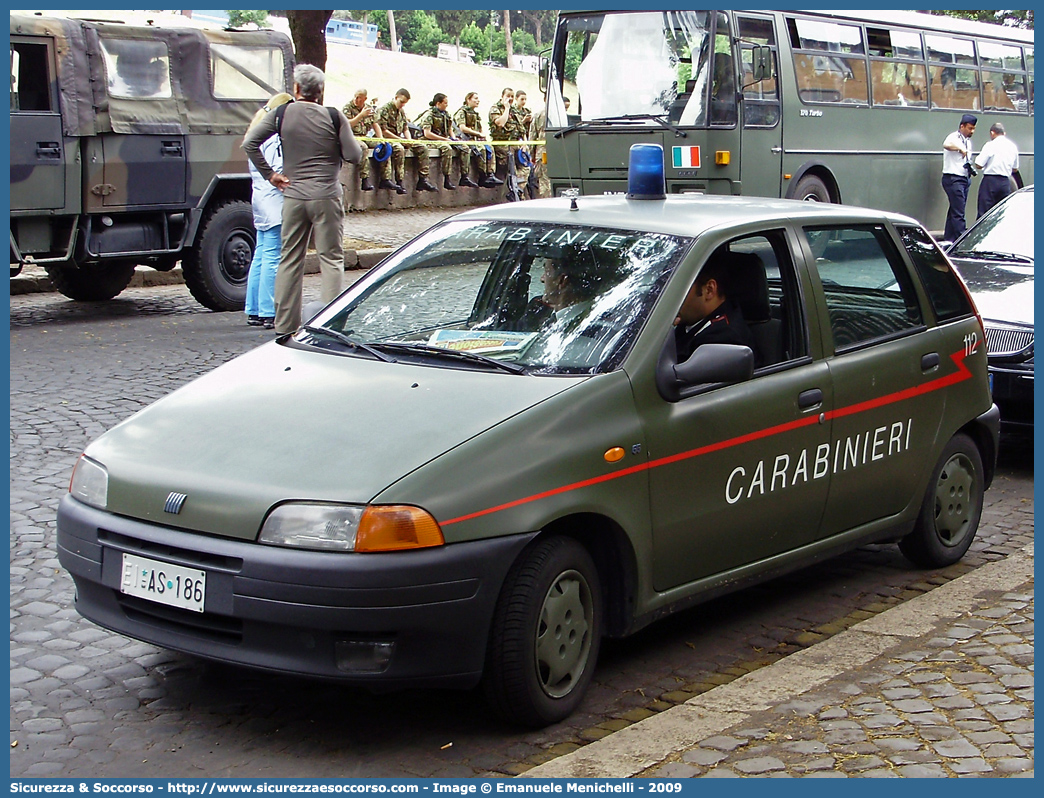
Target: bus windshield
x=644 y=65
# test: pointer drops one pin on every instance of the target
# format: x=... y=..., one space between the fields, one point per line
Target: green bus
x=832 y=106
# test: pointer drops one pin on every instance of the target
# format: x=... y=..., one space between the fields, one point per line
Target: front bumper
x=291 y=610
x=1013 y=392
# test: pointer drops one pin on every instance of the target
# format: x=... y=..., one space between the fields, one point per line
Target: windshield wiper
x=453 y=354
x=976 y=254
x=347 y=341
x=624 y=119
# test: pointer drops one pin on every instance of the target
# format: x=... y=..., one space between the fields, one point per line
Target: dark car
x=995 y=256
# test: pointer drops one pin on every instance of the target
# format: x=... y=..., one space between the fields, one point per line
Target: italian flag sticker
x=686 y=157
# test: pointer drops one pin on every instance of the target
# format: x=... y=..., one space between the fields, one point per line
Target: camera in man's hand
x=969 y=169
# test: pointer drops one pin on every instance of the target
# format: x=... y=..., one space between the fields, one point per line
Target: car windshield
x=640 y=66
x=1007 y=230
x=523 y=297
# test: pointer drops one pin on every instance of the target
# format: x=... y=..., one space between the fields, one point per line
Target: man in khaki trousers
x=313 y=148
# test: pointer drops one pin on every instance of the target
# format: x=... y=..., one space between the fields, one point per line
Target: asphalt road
x=88 y=703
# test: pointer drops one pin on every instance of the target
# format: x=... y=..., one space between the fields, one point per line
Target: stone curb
x=647 y=743
x=35 y=281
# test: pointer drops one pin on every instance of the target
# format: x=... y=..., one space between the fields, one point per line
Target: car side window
x=30 y=89
x=948 y=298
x=868 y=291
x=763 y=285
x=137 y=69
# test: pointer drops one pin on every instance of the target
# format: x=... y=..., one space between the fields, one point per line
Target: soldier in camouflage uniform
x=469 y=122
x=506 y=126
x=438 y=132
x=395 y=125
x=525 y=118
x=360 y=116
x=538 y=131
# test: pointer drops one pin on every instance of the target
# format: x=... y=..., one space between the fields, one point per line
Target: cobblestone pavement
x=89 y=703
x=951 y=698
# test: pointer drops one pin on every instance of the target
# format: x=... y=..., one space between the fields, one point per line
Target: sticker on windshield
x=480 y=341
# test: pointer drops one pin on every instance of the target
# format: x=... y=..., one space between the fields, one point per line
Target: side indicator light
x=722 y=157
x=614 y=455
x=787 y=177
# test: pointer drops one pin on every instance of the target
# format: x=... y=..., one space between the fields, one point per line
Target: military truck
x=125 y=150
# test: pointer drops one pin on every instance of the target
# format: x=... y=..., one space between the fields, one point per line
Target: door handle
x=48 y=149
x=776 y=150
x=930 y=362
x=810 y=398
x=171 y=148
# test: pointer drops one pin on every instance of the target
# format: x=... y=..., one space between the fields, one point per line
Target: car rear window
x=947 y=296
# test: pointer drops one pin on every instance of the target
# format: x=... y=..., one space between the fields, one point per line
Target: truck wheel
x=545 y=636
x=94 y=282
x=951 y=509
x=812 y=189
x=215 y=269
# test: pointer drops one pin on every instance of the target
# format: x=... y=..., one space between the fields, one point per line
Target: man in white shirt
x=956 y=175
x=999 y=160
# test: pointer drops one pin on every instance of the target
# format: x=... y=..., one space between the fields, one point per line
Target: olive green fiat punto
x=468 y=470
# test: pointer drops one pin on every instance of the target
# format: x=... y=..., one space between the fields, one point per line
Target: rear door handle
x=48 y=149
x=810 y=398
x=171 y=148
x=930 y=362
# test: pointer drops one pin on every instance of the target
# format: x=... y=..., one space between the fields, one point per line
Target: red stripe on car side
x=960 y=375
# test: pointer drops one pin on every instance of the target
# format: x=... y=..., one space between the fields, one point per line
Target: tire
x=812 y=189
x=96 y=282
x=546 y=634
x=951 y=509
x=216 y=268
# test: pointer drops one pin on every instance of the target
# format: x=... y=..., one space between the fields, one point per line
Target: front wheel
x=216 y=268
x=95 y=282
x=812 y=189
x=546 y=634
x=952 y=507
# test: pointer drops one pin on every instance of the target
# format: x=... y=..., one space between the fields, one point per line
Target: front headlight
x=90 y=482
x=342 y=527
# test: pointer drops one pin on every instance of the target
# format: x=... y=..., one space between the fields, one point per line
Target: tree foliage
x=240 y=19
x=421 y=31
x=1012 y=19
x=453 y=21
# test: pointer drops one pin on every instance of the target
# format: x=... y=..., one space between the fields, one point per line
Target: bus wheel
x=812 y=189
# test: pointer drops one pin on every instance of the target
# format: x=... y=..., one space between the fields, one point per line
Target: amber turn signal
x=394 y=528
x=614 y=455
x=722 y=157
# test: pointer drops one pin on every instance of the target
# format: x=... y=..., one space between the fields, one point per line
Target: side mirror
x=710 y=364
x=543 y=70
x=761 y=63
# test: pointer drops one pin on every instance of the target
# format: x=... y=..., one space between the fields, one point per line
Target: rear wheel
x=216 y=268
x=546 y=634
x=952 y=507
x=812 y=189
x=94 y=282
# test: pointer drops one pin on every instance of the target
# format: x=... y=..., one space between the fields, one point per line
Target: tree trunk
x=507 y=39
x=308 y=30
x=394 y=43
